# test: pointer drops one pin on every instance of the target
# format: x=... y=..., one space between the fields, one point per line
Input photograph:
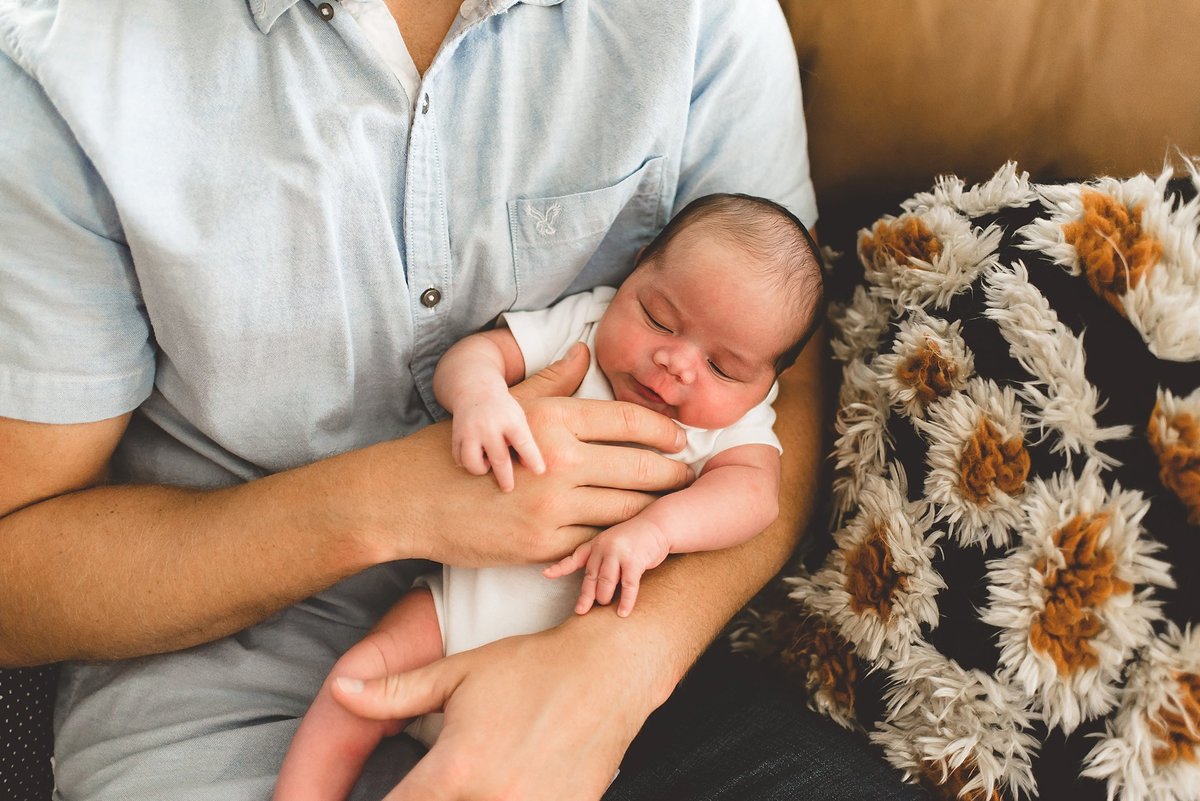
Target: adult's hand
x=590 y=481
x=545 y=717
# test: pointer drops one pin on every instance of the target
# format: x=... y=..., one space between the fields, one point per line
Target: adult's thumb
x=559 y=379
x=396 y=696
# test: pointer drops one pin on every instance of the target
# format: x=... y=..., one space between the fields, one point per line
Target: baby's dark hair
x=780 y=241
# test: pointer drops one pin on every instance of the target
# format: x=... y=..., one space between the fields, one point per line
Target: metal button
x=431 y=297
x=326 y=11
x=425 y=106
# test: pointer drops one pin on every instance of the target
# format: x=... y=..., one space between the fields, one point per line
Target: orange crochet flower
x=900 y=240
x=1179 y=733
x=871 y=578
x=1074 y=592
x=1115 y=253
x=928 y=372
x=1178 y=457
x=990 y=460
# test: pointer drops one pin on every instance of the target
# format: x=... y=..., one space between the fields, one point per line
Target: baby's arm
x=471 y=382
x=735 y=497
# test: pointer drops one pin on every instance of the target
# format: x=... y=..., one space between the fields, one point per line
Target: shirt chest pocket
x=573 y=242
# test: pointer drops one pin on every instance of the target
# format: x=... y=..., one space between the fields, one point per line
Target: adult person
x=237 y=236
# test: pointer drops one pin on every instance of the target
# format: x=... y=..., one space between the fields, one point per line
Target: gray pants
x=212 y=723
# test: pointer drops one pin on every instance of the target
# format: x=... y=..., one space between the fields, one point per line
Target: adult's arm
x=101 y=572
x=571 y=699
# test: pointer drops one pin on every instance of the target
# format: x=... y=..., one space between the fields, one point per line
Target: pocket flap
x=537 y=222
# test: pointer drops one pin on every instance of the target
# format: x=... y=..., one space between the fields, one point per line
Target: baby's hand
x=482 y=432
x=615 y=557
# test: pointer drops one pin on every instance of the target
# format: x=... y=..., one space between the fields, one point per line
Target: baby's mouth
x=648 y=393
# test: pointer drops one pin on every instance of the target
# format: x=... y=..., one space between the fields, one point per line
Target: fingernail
x=680 y=438
x=574 y=351
x=352 y=686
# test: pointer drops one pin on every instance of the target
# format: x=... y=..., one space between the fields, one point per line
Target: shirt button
x=431 y=297
x=425 y=105
x=326 y=11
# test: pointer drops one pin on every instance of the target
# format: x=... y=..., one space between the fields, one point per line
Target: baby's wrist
x=478 y=396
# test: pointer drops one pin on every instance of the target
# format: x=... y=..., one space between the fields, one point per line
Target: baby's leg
x=329 y=749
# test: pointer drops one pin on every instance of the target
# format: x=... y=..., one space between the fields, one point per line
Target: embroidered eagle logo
x=545 y=219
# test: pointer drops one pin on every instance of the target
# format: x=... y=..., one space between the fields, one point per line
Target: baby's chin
x=703 y=419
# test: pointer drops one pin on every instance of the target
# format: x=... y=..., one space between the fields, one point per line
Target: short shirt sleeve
x=736 y=141
x=75 y=344
x=546 y=334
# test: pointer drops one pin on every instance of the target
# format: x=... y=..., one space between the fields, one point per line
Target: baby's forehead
x=757 y=318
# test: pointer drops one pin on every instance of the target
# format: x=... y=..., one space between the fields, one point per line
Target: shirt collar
x=265 y=12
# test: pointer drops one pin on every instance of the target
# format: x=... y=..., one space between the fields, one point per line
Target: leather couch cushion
x=898 y=92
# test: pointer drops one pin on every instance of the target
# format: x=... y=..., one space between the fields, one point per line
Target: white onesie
x=480 y=605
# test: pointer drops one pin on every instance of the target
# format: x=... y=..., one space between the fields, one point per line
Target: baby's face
x=694 y=336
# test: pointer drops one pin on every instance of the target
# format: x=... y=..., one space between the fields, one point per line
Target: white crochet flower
x=1148 y=751
x=956 y=727
x=928 y=360
x=879 y=585
x=1065 y=597
x=977 y=461
x=1162 y=306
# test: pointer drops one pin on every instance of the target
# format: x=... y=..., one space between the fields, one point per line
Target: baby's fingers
x=609 y=576
x=631 y=581
x=501 y=461
x=470 y=456
x=526 y=447
x=569 y=564
x=587 y=592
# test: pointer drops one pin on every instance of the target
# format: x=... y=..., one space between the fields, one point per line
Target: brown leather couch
x=899 y=91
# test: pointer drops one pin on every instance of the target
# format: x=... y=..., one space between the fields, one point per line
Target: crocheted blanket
x=1006 y=603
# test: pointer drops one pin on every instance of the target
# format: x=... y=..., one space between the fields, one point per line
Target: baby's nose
x=680 y=362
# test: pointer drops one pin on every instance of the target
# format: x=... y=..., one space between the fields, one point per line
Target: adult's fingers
x=618 y=421
x=602 y=507
x=400 y=695
x=632 y=469
x=559 y=379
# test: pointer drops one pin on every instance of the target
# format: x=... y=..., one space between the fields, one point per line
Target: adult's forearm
x=119 y=571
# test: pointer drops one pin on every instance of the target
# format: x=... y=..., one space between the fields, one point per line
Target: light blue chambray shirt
x=234 y=218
